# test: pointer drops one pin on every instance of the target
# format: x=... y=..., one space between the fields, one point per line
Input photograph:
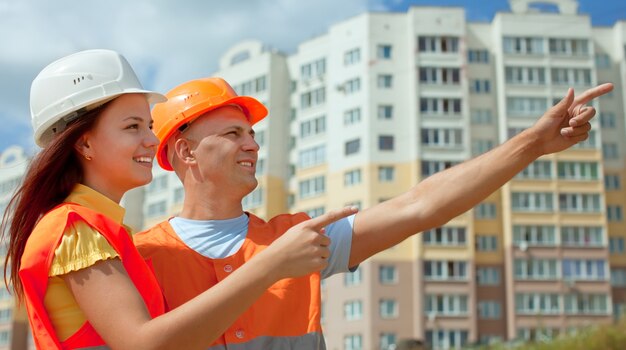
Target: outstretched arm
x=447 y=194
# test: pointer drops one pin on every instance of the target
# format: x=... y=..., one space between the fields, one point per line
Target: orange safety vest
x=286 y=316
x=38 y=256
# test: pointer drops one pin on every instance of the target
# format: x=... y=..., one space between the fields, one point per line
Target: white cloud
x=167 y=42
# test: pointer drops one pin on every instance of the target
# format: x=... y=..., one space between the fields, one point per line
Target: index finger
x=592 y=93
x=326 y=219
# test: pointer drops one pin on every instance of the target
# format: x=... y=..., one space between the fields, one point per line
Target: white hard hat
x=77 y=83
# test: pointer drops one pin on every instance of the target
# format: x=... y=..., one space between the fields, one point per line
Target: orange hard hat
x=192 y=99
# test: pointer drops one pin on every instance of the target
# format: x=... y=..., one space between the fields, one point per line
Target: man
x=207 y=139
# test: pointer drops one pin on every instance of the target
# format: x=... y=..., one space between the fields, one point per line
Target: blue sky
x=602 y=12
x=168 y=42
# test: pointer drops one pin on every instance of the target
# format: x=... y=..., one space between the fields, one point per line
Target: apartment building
x=13 y=321
x=381 y=101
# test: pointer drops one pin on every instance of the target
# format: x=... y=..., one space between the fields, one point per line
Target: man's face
x=226 y=153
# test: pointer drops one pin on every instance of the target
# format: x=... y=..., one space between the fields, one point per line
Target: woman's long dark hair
x=51 y=176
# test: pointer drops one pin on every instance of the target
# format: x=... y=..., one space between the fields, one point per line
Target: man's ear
x=184 y=152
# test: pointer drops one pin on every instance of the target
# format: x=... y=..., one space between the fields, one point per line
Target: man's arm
x=447 y=194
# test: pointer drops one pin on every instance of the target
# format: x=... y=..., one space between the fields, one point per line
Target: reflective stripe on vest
x=286 y=315
x=38 y=256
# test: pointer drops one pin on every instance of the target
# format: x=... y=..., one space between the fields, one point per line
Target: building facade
x=381 y=101
x=14 y=329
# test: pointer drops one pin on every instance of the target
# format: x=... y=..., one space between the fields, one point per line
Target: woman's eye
x=133 y=126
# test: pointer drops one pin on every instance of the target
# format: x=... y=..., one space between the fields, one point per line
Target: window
x=582 y=236
x=489 y=310
x=352 y=147
x=312 y=156
x=481 y=146
x=540 y=334
x=446 y=304
x=260 y=167
x=353 y=342
x=586 y=304
x=442 y=138
x=385 y=112
x=313 y=69
x=486 y=243
x=586 y=270
x=525 y=75
x=353 y=278
x=536 y=269
x=157 y=209
x=612 y=182
x=488 y=276
x=384 y=81
x=569 y=47
x=539 y=169
x=616 y=245
x=430 y=167
x=352 y=56
x=387 y=274
x=534 y=235
x=253 y=86
x=618 y=277
x=438 y=44
x=313 y=98
x=445 y=270
x=526 y=106
x=5 y=337
x=579 y=202
x=352 y=86
x=383 y=51
x=179 y=193
x=386 y=173
x=478 y=56
x=445 y=236
x=439 y=75
x=352 y=116
x=353 y=310
x=589 y=143
x=159 y=183
x=610 y=151
x=571 y=76
x=313 y=127
x=608 y=120
x=532 y=201
x=578 y=170
x=534 y=303
x=239 y=57
x=385 y=142
x=388 y=308
x=259 y=137
x=312 y=187
x=480 y=86
x=485 y=211
x=254 y=199
x=603 y=60
x=387 y=341
x=352 y=177
x=446 y=338
x=5 y=315
x=440 y=106
x=481 y=116
x=523 y=45
x=315 y=212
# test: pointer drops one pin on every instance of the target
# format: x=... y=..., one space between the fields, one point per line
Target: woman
x=73 y=262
